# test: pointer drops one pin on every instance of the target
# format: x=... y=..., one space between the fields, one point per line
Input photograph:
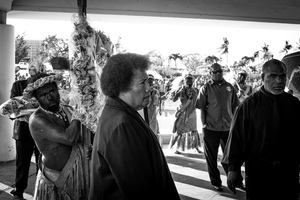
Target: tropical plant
x=297 y=47
x=156 y=59
x=193 y=63
x=224 y=49
x=253 y=58
x=22 y=49
x=119 y=47
x=39 y=61
x=53 y=47
x=157 y=62
x=175 y=56
x=256 y=54
x=267 y=55
x=248 y=59
x=211 y=59
x=287 y=47
x=246 y=63
x=241 y=64
x=107 y=49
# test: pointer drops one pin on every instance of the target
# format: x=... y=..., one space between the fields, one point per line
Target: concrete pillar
x=7 y=76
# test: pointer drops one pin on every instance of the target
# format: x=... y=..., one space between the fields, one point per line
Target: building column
x=7 y=77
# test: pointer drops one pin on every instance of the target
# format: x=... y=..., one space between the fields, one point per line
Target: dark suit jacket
x=21 y=128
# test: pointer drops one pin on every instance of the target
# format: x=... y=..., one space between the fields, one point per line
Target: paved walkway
x=188 y=170
x=7 y=177
x=191 y=178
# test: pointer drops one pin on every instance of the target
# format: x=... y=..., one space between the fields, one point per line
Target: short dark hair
x=265 y=67
x=213 y=65
x=118 y=72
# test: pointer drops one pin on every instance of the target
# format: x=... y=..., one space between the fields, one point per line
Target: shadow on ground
x=197 y=162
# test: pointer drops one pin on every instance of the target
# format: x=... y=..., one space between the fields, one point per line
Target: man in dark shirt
x=265 y=135
x=25 y=146
x=217 y=102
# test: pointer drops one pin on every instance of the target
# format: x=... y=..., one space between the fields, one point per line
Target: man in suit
x=25 y=145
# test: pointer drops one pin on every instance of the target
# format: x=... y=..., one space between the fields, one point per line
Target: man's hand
x=24 y=118
x=232 y=181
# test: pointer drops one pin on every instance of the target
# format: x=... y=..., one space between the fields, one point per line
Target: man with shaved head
x=265 y=135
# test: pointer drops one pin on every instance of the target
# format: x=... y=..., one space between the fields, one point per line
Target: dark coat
x=265 y=136
x=127 y=160
x=21 y=128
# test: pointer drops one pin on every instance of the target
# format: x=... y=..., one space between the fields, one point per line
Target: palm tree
x=193 y=63
x=247 y=59
x=297 y=47
x=267 y=54
x=119 y=46
x=175 y=56
x=224 y=48
x=286 y=47
x=253 y=58
x=245 y=62
x=241 y=63
x=256 y=54
x=211 y=59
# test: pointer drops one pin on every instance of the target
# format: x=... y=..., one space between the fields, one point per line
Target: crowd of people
x=255 y=128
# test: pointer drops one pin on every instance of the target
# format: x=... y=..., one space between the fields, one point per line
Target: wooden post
x=87 y=142
x=82 y=8
x=85 y=132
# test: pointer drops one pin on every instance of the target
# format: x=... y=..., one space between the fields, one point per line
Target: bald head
x=216 y=72
x=215 y=66
x=271 y=64
x=274 y=76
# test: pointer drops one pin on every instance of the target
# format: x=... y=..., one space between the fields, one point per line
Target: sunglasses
x=217 y=71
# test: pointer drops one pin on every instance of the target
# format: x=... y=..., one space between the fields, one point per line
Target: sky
x=173 y=35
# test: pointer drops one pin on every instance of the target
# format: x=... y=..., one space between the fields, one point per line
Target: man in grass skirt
x=185 y=126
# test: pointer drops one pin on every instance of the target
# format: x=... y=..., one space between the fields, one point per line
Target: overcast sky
x=173 y=35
